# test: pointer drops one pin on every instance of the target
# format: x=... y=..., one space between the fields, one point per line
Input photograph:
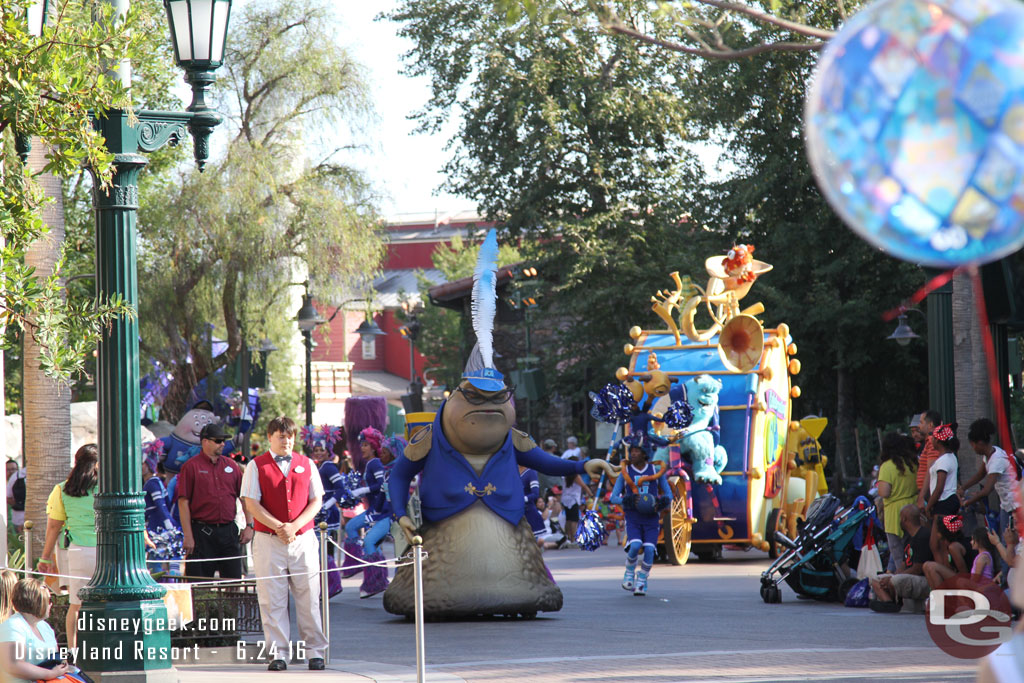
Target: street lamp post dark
x=411 y=331
x=308 y=318
x=122 y=592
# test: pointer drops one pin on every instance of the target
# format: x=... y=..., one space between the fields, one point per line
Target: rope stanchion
x=325 y=609
x=28 y=544
x=417 y=567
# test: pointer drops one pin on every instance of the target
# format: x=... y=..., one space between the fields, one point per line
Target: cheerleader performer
x=320 y=443
x=643 y=493
x=377 y=518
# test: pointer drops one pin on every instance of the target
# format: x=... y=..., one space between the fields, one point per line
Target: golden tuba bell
x=741 y=342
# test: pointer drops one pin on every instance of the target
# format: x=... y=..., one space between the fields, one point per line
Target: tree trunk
x=845 y=421
x=3 y=421
x=46 y=423
x=973 y=394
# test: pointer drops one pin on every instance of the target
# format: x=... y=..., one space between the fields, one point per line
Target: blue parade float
x=741 y=467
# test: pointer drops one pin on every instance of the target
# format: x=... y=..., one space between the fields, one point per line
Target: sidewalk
x=728 y=666
x=343 y=671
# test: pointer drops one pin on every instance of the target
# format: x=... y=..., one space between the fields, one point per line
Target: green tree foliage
x=50 y=84
x=220 y=250
x=574 y=139
x=585 y=142
x=828 y=283
x=442 y=338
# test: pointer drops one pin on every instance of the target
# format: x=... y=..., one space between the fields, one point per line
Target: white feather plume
x=485 y=296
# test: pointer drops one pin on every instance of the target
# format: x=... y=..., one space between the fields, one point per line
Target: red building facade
x=384 y=361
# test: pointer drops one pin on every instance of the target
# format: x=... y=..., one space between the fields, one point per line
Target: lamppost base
x=126 y=641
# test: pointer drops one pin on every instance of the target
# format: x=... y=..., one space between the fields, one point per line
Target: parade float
x=713 y=387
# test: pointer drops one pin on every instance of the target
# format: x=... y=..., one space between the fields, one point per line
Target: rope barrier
x=42 y=573
x=364 y=563
x=214 y=582
x=197 y=559
x=361 y=563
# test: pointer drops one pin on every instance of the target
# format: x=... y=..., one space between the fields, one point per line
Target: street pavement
x=704 y=621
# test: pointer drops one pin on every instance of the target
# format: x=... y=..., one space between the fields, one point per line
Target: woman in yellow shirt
x=897 y=486
x=70 y=508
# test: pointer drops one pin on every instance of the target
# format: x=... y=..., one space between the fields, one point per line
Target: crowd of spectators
x=939 y=523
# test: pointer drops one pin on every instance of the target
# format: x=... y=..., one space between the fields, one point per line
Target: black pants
x=214 y=541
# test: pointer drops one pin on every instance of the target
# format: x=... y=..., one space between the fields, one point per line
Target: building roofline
x=451 y=294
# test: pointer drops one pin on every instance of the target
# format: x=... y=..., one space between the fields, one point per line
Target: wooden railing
x=332 y=381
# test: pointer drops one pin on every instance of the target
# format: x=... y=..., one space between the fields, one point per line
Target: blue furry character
x=699 y=442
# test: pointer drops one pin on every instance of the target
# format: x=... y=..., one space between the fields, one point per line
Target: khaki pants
x=301 y=559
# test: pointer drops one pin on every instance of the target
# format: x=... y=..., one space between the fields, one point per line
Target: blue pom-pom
x=168 y=544
x=351 y=481
x=679 y=415
x=590 y=533
x=613 y=403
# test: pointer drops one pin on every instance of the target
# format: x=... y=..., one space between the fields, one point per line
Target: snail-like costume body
x=482 y=556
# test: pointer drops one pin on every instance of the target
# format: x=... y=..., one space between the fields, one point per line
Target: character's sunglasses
x=474 y=397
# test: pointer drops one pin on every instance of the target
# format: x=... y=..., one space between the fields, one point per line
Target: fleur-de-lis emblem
x=480 y=493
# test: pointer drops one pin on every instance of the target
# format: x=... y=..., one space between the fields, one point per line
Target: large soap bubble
x=915 y=128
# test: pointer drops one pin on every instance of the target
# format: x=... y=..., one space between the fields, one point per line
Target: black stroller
x=817 y=561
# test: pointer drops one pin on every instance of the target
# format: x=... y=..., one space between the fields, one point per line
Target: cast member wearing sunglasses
x=208 y=488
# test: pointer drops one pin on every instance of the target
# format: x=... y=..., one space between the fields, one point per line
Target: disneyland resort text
x=112 y=653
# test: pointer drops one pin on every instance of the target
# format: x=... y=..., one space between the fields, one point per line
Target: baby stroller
x=815 y=564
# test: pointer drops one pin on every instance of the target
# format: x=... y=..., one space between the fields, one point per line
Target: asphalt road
x=701 y=621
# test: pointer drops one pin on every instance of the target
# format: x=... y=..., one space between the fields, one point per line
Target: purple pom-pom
x=590 y=533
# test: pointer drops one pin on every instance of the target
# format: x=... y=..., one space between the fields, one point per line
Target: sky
x=404 y=166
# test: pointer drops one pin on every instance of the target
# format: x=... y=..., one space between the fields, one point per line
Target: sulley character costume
x=699 y=441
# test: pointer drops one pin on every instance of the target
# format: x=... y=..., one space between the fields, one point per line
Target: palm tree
x=46 y=419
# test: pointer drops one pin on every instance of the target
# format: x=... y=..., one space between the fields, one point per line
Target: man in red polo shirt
x=282 y=490
x=930 y=419
x=209 y=485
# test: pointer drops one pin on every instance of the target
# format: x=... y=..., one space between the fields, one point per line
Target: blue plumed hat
x=480 y=376
x=480 y=370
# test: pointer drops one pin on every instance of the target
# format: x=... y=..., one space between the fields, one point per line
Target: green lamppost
x=121 y=633
x=308 y=318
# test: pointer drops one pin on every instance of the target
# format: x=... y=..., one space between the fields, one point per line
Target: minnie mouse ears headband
x=953 y=523
x=943 y=432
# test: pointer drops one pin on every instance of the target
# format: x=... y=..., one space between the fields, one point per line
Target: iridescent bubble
x=915 y=128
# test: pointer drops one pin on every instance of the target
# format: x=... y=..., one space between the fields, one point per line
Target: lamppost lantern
x=902 y=334
x=368 y=329
x=199 y=30
x=36 y=13
x=308 y=317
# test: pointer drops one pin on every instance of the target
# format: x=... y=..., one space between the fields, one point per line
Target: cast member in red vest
x=282 y=490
